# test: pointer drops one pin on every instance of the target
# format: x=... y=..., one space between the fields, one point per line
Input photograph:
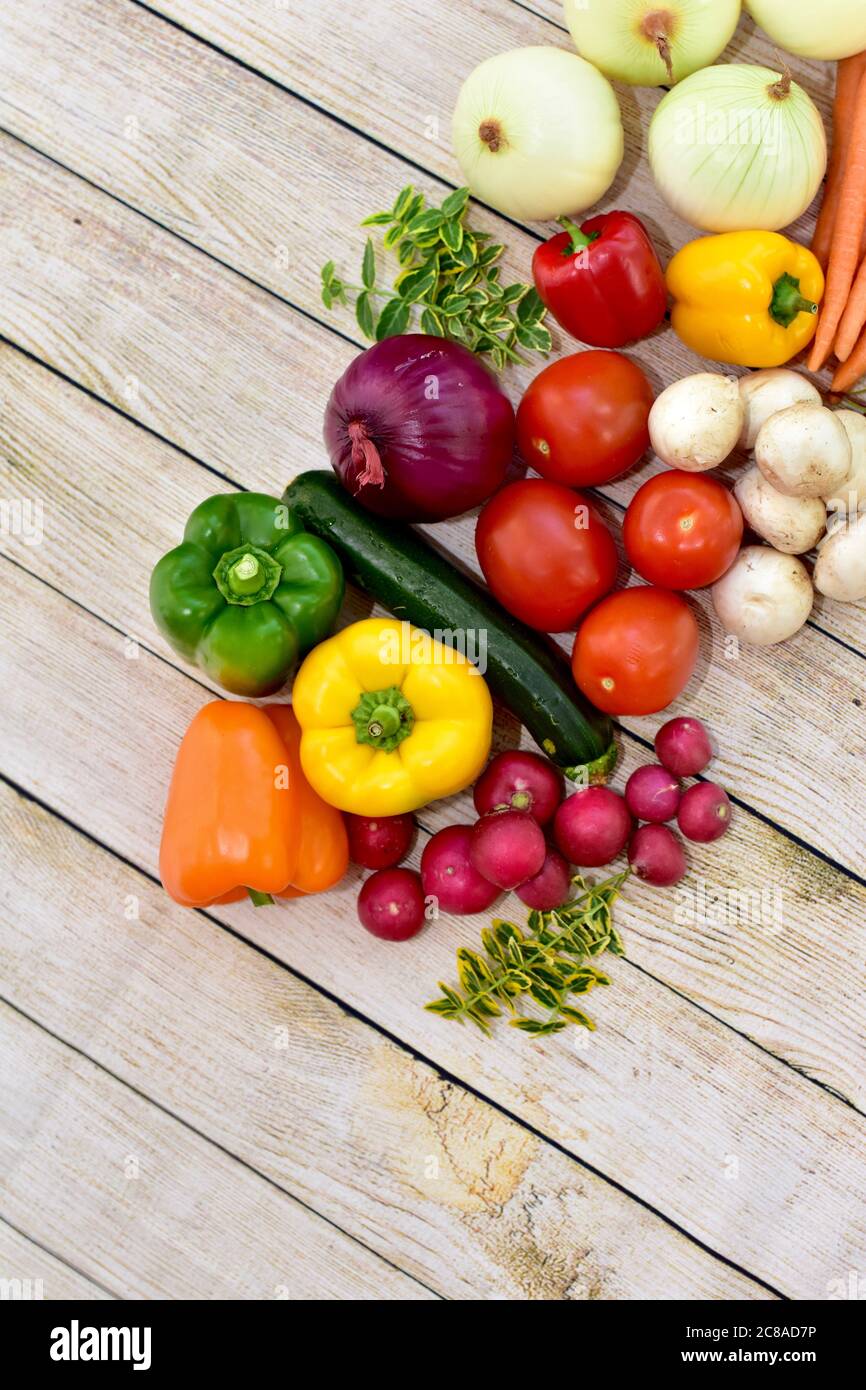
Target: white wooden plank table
x=236 y=1104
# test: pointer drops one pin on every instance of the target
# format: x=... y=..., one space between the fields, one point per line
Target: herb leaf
x=548 y=964
x=393 y=319
x=368 y=269
x=447 y=275
x=364 y=314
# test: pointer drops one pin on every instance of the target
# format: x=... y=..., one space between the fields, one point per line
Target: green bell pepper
x=246 y=592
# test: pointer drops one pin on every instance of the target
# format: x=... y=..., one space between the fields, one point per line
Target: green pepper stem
x=579 y=240
x=788 y=302
x=247 y=575
x=260 y=899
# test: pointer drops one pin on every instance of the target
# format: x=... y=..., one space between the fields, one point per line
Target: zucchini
x=526 y=671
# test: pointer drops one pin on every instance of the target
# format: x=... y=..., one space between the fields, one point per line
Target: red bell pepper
x=602 y=281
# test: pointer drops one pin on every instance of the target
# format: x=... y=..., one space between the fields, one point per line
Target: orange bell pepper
x=323 y=845
x=241 y=818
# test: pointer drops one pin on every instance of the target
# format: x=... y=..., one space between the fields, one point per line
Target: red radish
x=652 y=793
x=507 y=847
x=656 y=855
x=683 y=746
x=519 y=781
x=550 y=887
x=592 y=826
x=705 y=812
x=448 y=874
x=391 y=904
x=377 y=842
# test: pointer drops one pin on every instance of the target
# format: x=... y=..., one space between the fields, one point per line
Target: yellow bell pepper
x=749 y=298
x=390 y=718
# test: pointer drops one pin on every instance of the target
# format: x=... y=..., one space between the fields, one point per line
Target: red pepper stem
x=579 y=240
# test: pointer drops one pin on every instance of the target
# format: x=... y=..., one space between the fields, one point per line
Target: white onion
x=813 y=28
x=646 y=42
x=738 y=148
x=538 y=133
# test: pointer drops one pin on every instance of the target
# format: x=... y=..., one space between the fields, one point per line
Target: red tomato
x=636 y=651
x=583 y=420
x=546 y=554
x=682 y=530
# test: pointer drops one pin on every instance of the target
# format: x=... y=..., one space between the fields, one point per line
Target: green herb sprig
x=547 y=964
x=448 y=276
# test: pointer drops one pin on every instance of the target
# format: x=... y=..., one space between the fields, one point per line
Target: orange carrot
x=852 y=368
x=848 y=74
x=854 y=317
x=847 y=235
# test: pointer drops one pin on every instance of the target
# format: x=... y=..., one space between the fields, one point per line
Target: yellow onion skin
x=538 y=133
x=728 y=156
x=610 y=34
x=828 y=29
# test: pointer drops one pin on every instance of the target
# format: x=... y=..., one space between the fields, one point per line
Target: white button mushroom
x=767 y=392
x=850 y=495
x=765 y=597
x=804 y=451
x=790 y=524
x=840 y=570
x=695 y=423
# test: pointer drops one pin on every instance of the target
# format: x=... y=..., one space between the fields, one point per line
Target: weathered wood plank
x=144 y=1205
x=205 y=358
x=753 y=935
x=131 y=385
x=427 y=1173
x=333 y=55
x=662 y=1087
x=29 y=1272
x=222 y=183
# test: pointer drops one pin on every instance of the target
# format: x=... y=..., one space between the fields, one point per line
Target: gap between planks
x=42 y=1272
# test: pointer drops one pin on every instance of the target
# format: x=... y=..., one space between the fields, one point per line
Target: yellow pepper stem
x=383 y=718
x=788 y=302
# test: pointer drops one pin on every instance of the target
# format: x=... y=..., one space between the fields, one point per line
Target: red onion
x=418 y=429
